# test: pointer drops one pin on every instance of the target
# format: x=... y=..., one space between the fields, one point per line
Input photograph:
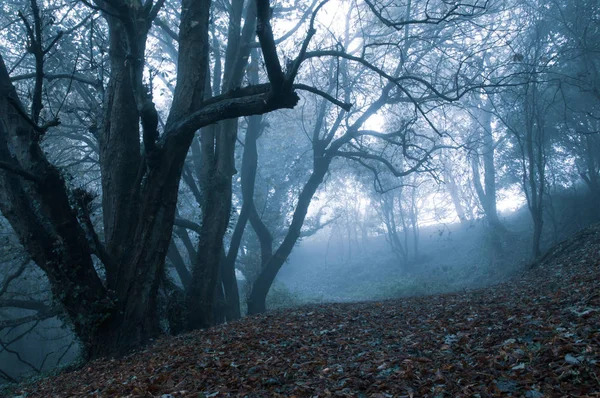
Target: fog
x=452 y=258
x=174 y=165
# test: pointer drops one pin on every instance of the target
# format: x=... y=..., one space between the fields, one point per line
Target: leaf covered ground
x=537 y=335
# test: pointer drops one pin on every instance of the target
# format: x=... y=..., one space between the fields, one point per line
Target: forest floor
x=537 y=335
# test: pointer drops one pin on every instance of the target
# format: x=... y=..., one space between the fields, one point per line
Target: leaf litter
x=537 y=335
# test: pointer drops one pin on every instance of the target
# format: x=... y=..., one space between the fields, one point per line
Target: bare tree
x=140 y=179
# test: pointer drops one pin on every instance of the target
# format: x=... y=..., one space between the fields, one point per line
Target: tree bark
x=487 y=192
x=218 y=153
x=216 y=212
x=260 y=288
x=40 y=213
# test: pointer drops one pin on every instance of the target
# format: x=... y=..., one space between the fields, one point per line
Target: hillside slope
x=538 y=335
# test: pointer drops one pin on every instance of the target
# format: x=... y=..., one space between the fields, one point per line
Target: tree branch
x=167 y=30
x=54 y=76
x=449 y=15
x=41 y=130
x=7 y=377
x=397 y=173
x=319 y=226
x=154 y=9
x=343 y=105
x=33 y=318
x=18 y=355
x=181 y=222
x=234 y=105
x=184 y=274
x=293 y=70
x=32 y=305
x=13 y=276
x=458 y=92
x=84 y=200
x=267 y=43
x=20 y=172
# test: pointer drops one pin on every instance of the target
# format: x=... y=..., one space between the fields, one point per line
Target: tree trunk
x=260 y=288
x=388 y=210
x=248 y=177
x=414 y=221
x=140 y=187
x=215 y=218
x=218 y=170
x=232 y=295
x=220 y=305
x=534 y=175
x=119 y=144
x=538 y=225
x=487 y=192
x=179 y=264
x=454 y=190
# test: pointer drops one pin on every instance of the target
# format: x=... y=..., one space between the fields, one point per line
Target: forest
x=169 y=167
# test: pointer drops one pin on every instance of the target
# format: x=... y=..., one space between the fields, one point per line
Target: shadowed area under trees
x=173 y=165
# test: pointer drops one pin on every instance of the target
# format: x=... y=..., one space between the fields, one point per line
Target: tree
x=486 y=192
x=398 y=216
x=115 y=310
x=576 y=70
x=527 y=118
x=340 y=133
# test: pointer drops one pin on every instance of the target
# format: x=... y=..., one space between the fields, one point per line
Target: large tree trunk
x=216 y=212
x=120 y=150
x=218 y=150
x=139 y=205
x=112 y=315
x=33 y=198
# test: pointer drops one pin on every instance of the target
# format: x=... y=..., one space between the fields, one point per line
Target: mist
x=171 y=166
x=452 y=257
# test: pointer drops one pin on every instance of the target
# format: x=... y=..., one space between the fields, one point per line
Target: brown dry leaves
x=538 y=335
